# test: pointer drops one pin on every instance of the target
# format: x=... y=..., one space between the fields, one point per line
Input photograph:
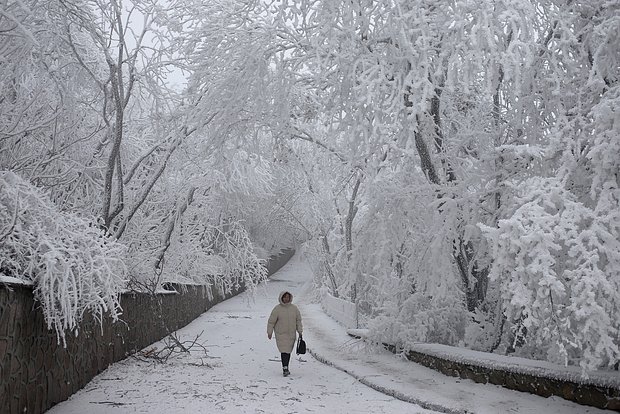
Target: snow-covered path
x=241 y=374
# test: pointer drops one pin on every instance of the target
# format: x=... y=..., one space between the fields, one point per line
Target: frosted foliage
x=510 y=98
x=414 y=145
x=421 y=318
x=74 y=267
x=48 y=127
x=247 y=174
x=557 y=263
x=404 y=269
x=315 y=257
x=605 y=157
x=201 y=248
x=277 y=228
x=484 y=334
x=227 y=262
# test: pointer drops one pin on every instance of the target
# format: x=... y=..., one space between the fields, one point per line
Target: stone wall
x=276 y=262
x=36 y=372
x=580 y=392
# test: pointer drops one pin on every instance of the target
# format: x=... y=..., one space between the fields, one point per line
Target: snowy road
x=241 y=372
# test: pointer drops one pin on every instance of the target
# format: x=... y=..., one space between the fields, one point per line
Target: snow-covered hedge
x=74 y=267
x=557 y=261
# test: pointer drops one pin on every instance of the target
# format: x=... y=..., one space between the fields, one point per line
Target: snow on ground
x=241 y=372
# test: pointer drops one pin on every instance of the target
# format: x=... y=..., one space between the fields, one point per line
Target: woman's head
x=286 y=297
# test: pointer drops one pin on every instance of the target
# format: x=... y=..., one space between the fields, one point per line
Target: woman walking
x=285 y=320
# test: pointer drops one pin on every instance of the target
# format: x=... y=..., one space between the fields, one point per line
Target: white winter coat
x=285 y=319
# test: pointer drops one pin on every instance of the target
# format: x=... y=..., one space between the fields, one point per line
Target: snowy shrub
x=74 y=267
x=556 y=261
x=227 y=264
x=484 y=330
x=421 y=318
x=193 y=248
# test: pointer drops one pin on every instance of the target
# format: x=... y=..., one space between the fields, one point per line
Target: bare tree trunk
x=498 y=140
x=117 y=89
x=120 y=229
x=350 y=216
x=328 y=266
x=428 y=168
x=120 y=100
x=111 y=166
x=474 y=280
x=348 y=226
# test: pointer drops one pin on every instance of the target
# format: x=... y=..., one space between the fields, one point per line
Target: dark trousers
x=286 y=357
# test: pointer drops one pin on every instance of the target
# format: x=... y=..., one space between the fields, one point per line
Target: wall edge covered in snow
x=601 y=390
x=341 y=310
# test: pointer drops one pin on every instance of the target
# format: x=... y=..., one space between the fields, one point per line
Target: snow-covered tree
x=74 y=267
x=556 y=252
x=452 y=167
x=496 y=104
x=87 y=115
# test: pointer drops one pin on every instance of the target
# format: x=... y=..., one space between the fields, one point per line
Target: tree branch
x=303 y=135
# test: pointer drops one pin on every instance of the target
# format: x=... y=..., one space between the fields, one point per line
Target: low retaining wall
x=580 y=392
x=276 y=262
x=341 y=310
x=37 y=373
x=601 y=391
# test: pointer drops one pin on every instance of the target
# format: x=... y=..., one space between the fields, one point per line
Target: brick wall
x=37 y=373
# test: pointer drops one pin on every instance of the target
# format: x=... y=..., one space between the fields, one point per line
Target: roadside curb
x=385 y=390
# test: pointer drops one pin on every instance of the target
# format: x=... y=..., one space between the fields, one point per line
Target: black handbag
x=301 y=346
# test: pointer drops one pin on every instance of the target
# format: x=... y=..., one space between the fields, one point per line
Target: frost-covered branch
x=172 y=220
x=75 y=268
x=303 y=135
